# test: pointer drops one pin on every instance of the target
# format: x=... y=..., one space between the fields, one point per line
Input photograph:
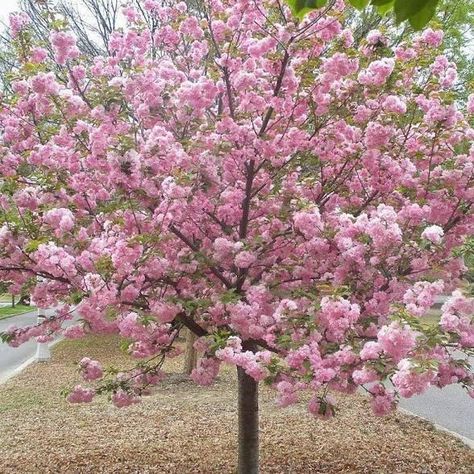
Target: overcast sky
x=6 y=7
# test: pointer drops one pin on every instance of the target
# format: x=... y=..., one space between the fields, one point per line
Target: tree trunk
x=248 y=423
x=190 y=355
x=13 y=301
x=24 y=300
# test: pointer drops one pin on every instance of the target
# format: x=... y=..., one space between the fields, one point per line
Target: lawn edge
x=17 y=314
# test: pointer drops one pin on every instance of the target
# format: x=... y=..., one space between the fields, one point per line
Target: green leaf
x=422 y=18
x=301 y=7
x=409 y=9
x=77 y=296
x=65 y=392
x=383 y=6
x=33 y=245
x=6 y=337
x=125 y=345
x=359 y=4
x=230 y=296
x=384 y=9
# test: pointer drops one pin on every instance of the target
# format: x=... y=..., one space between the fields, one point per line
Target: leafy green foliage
x=230 y=297
x=359 y=4
x=467 y=252
x=301 y=7
x=417 y=12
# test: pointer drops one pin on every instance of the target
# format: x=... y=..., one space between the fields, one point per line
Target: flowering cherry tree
x=293 y=201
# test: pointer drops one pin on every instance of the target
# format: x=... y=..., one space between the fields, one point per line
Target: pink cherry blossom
x=81 y=395
x=122 y=398
x=396 y=340
x=18 y=22
x=410 y=382
x=432 y=37
x=245 y=259
x=433 y=233
x=90 y=369
x=383 y=400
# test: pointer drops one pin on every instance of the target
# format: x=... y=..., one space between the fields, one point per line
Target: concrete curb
x=467 y=441
x=25 y=364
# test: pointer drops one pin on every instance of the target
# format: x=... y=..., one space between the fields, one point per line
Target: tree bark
x=190 y=355
x=24 y=300
x=248 y=424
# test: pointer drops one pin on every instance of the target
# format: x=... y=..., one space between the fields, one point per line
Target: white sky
x=6 y=7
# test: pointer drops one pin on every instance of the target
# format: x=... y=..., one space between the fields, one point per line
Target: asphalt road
x=450 y=407
x=12 y=357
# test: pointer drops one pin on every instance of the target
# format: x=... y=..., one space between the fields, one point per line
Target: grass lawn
x=432 y=317
x=8 y=311
x=182 y=428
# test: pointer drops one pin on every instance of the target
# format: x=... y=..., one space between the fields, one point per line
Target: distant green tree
x=455 y=18
x=416 y=12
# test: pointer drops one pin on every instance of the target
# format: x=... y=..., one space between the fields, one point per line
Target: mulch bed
x=183 y=428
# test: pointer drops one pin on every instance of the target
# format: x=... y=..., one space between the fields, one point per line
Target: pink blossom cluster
x=432 y=37
x=149 y=337
x=422 y=296
x=60 y=219
x=377 y=73
x=64 y=46
x=322 y=408
x=74 y=332
x=383 y=400
x=396 y=341
x=18 y=22
x=376 y=37
x=206 y=371
x=336 y=317
x=287 y=393
x=456 y=317
x=122 y=398
x=308 y=223
x=90 y=369
x=433 y=233
x=81 y=395
x=252 y=362
x=394 y=104
x=408 y=381
x=245 y=259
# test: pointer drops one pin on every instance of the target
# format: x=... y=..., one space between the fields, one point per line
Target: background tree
x=295 y=200
x=456 y=20
x=417 y=13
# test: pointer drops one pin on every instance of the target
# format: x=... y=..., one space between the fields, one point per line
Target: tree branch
x=194 y=247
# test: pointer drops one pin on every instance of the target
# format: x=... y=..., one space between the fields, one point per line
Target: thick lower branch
x=192 y=325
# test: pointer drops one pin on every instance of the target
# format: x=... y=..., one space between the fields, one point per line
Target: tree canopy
x=294 y=196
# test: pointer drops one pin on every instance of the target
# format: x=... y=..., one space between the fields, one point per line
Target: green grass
x=432 y=317
x=5 y=298
x=8 y=311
